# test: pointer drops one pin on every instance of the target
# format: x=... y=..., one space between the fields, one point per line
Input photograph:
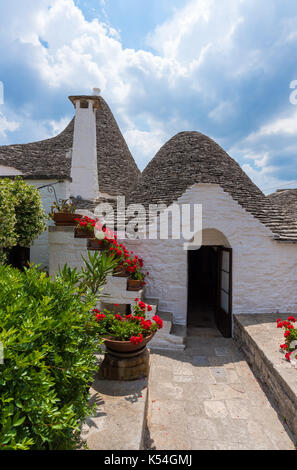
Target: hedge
x=49 y=338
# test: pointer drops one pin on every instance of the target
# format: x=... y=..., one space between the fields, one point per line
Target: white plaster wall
x=65 y=249
x=264 y=271
x=39 y=252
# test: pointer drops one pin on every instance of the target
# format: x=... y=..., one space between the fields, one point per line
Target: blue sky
x=221 y=67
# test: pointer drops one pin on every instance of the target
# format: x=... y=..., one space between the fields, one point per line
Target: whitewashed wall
x=264 y=271
x=39 y=252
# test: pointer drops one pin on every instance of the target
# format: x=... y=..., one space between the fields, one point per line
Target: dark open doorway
x=210 y=288
x=18 y=257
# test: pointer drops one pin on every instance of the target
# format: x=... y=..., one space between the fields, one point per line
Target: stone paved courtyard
x=207 y=397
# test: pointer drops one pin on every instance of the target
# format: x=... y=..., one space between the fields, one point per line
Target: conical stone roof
x=47 y=158
x=191 y=157
x=286 y=199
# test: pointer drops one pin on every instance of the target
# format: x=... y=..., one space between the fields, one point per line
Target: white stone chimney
x=84 y=171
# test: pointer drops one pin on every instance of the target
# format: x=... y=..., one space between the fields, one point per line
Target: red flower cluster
x=288 y=326
x=118 y=317
x=136 y=339
x=158 y=320
x=86 y=223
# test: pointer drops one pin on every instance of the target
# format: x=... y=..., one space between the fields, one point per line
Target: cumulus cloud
x=222 y=68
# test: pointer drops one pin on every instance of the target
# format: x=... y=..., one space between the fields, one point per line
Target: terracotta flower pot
x=126 y=346
x=93 y=244
x=62 y=218
x=83 y=233
x=120 y=272
x=134 y=285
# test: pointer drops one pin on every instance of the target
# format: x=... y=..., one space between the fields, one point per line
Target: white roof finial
x=96 y=91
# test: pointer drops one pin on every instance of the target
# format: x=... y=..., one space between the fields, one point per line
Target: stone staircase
x=171 y=337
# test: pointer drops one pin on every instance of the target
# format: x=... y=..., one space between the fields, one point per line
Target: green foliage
x=8 y=235
x=118 y=330
x=65 y=207
x=97 y=267
x=49 y=336
x=21 y=213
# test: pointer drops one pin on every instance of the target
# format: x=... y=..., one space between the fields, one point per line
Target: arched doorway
x=210 y=283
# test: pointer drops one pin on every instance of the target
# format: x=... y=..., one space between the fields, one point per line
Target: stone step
x=166 y=338
x=151 y=301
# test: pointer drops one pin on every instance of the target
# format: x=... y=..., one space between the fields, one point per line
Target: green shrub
x=49 y=338
x=21 y=214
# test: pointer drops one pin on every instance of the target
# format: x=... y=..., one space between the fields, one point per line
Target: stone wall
x=259 y=339
x=264 y=271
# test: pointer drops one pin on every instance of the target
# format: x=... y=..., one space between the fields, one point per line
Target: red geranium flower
x=158 y=320
x=136 y=339
x=288 y=356
x=100 y=316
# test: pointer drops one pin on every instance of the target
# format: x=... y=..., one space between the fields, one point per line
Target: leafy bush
x=8 y=236
x=92 y=277
x=21 y=213
x=49 y=338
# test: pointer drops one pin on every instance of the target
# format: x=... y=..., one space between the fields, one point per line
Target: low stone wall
x=259 y=339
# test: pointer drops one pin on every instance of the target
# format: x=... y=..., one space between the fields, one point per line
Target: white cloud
x=195 y=80
x=7 y=126
x=144 y=144
x=284 y=125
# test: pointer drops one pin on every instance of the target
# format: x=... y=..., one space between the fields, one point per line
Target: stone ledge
x=120 y=417
x=61 y=228
x=259 y=339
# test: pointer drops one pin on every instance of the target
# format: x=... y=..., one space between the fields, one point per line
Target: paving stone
x=215 y=409
x=183 y=378
x=238 y=409
x=225 y=391
x=216 y=400
x=203 y=375
x=219 y=374
x=199 y=444
x=200 y=361
x=222 y=351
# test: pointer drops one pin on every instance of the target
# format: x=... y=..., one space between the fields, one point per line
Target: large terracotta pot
x=83 y=233
x=126 y=346
x=62 y=218
x=134 y=285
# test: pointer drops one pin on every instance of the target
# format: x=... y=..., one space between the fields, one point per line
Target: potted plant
x=290 y=336
x=64 y=213
x=85 y=227
x=130 y=333
x=136 y=280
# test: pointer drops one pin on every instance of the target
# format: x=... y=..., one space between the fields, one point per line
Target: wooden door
x=224 y=294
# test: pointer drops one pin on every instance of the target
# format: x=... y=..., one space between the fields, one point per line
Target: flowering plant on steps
x=290 y=335
x=134 y=328
x=86 y=224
